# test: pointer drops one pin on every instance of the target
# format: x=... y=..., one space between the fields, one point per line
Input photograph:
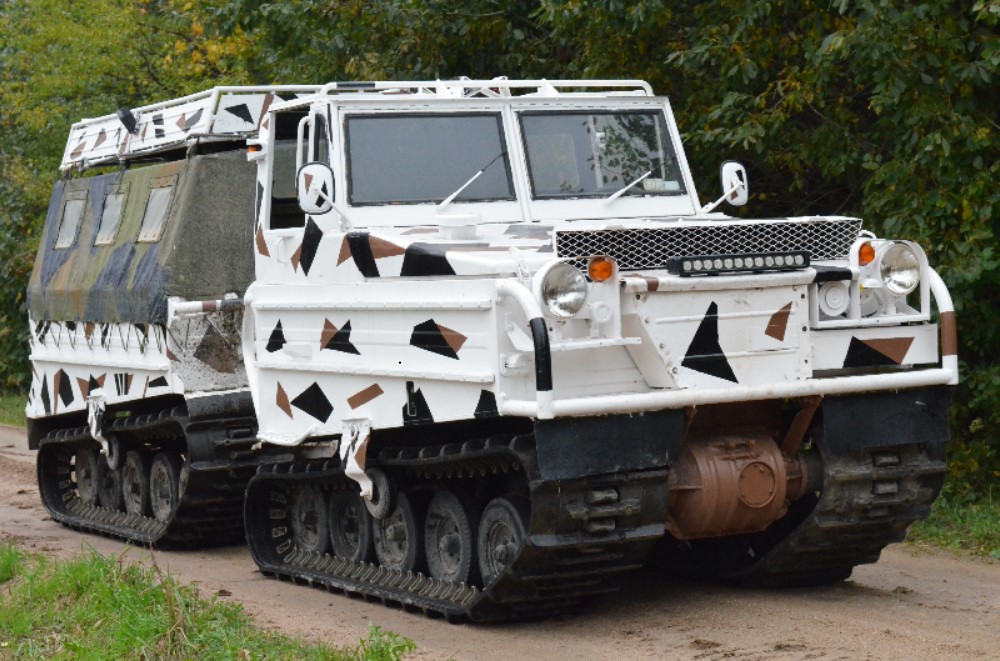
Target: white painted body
x=313 y=281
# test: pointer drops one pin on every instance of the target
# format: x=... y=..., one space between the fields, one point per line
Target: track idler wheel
x=164 y=485
x=399 y=537
x=135 y=483
x=350 y=525
x=450 y=537
x=309 y=514
x=501 y=538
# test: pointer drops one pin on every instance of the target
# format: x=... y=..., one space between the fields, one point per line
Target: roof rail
x=218 y=113
x=493 y=87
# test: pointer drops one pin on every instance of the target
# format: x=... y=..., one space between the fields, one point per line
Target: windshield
x=597 y=154
x=409 y=159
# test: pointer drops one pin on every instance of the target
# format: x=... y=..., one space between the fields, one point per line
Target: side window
x=285 y=211
x=73 y=208
x=320 y=149
x=114 y=204
x=156 y=211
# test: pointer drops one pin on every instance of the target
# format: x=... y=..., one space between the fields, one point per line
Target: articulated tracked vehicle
x=499 y=354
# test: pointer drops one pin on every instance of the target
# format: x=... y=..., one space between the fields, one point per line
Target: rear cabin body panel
x=98 y=302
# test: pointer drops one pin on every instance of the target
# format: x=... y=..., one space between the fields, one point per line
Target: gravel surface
x=912 y=604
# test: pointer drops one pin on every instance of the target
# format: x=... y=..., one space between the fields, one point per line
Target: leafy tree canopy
x=882 y=109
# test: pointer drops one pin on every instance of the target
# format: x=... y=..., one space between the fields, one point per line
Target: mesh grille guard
x=651 y=247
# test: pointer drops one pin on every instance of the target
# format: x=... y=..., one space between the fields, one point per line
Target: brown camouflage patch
x=893 y=348
x=652 y=284
x=88 y=329
x=309 y=180
x=382 y=248
x=261 y=243
x=79 y=149
x=56 y=382
x=84 y=387
x=182 y=122
x=345 y=252
x=101 y=138
x=171 y=356
x=364 y=396
x=454 y=339
x=297 y=257
x=268 y=100
x=281 y=399
x=329 y=330
x=362 y=454
x=778 y=323
x=949 y=334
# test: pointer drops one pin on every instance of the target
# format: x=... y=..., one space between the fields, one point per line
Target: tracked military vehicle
x=138 y=402
x=499 y=355
x=514 y=357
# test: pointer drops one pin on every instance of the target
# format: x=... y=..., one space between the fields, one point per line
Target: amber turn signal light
x=601 y=268
x=866 y=254
x=253 y=148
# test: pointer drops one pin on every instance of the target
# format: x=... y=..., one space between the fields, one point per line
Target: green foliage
x=867 y=107
x=384 y=645
x=970 y=523
x=12 y=408
x=103 y=607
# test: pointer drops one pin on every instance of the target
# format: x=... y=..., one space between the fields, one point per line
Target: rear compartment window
x=69 y=224
x=156 y=213
x=114 y=202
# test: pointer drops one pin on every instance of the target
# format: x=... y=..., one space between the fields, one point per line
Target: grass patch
x=102 y=607
x=969 y=523
x=12 y=408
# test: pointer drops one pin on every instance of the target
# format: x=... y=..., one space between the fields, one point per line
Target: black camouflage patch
x=314 y=402
x=705 y=354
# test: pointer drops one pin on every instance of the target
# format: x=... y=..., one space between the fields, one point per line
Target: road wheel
x=351 y=534
x=399 y=542
x=164 y=485
x=135 y=483
x=87 y=466
x=501 y=538
x=450 y=537
x=109 y=486
x=310 y=527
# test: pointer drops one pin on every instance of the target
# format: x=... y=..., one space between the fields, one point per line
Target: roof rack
x=494 y=87
x=221 y=113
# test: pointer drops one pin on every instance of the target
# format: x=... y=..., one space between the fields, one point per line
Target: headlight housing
x=899 y=269
x=562 y=289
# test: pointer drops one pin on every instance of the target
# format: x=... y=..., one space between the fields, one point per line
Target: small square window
x=156 y=213
x=70 y=222
x=113 y=205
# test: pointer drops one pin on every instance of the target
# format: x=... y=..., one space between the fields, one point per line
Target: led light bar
x=746 y=263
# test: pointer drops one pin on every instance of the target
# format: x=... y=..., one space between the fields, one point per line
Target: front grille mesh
x=650 y=248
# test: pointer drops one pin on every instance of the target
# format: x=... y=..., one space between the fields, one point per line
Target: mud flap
x=570 y=448
x=884 y=419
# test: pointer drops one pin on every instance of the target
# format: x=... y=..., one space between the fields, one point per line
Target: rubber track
x=867 y=503
x=553 y=574
x=209 y=512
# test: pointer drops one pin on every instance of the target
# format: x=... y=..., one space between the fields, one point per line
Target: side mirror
x=314 y=183
x=735 y=188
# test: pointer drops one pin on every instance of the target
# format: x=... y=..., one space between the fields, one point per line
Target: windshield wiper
x=614 y=196
x=451 y=198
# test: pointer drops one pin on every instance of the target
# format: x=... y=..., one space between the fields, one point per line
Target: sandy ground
x=910 y=605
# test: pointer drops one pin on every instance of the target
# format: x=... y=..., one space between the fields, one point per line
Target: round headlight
x=899 y=269
x=563 y=290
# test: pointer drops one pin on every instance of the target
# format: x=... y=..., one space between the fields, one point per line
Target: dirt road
x=908 y=606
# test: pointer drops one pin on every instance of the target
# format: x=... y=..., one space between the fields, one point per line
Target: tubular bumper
x=544 y=407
